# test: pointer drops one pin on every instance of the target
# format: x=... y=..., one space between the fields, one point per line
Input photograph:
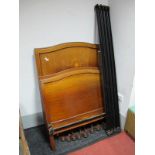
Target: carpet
x=120 y=144
x=39 y=145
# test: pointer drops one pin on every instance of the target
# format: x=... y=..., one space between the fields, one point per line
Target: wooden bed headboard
x=70 y=85
x=65 y=56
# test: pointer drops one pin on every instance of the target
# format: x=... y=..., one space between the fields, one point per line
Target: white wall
x=48 y=22
x=132 y=97
x=123 y=21
x=45 y=23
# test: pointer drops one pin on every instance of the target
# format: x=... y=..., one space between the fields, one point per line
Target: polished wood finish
x=61 y=57
x=24 y=149
x=130 y=123
x=68 y=93
x=70 y=86
x=52 y=142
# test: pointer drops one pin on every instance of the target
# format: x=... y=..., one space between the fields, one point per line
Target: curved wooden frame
x=57 y=48
x=69 y=77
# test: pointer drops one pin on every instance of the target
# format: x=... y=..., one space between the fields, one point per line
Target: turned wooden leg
x=52 y=143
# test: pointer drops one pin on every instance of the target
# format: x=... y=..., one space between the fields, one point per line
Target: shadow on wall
x=96 y=37
x=37 y=98
x=36 y=118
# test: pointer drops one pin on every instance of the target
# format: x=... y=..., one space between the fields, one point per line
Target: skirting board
x=122 y=120
x=34 y=120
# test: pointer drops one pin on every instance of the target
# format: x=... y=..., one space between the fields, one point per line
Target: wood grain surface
x=70 y=85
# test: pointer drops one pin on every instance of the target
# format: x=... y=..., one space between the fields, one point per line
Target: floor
x=120 y=144
x=39 y=145
x=96 y=144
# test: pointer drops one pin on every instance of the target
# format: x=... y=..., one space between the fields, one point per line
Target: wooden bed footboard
x=70 y=86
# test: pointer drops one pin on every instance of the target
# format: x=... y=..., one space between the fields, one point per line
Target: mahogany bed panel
x=70 y=86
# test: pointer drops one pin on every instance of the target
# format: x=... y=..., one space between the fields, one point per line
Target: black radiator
x=107 y=68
